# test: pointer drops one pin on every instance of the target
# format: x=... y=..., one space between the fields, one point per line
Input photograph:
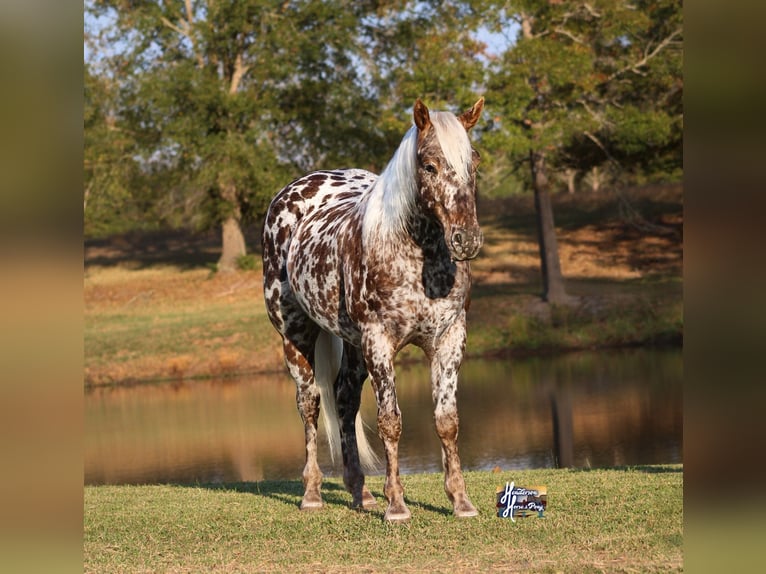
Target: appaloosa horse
x=355 y=267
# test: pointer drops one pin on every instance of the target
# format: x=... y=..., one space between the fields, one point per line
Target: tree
x=572 y=77
x=181 y=69
x=223 y=98
x=197 y=111
x=327 y=113
x=426 y=50
x=110 y=174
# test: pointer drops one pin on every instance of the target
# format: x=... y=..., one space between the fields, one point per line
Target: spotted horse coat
x=356 y=266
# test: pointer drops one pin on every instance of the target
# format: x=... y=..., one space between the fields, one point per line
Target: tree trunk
x=595 y=180
x=553 y=281
x=563 y=434
x=233 y=244
x=571 y=176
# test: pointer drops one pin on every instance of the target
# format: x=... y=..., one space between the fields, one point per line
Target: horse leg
x=299 y=359
x=348 y=396
x=379 y=358
x=445 y=364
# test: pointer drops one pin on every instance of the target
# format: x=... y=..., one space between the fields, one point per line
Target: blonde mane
x=391 y=200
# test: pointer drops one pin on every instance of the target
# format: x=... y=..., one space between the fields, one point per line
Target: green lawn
x=616 y=520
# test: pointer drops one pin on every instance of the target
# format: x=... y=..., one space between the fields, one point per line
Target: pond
x=588 y=409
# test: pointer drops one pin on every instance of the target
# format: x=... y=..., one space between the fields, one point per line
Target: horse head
x=446 y=176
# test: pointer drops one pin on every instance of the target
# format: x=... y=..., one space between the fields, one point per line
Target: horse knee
x=447 y=426
x=390 y=425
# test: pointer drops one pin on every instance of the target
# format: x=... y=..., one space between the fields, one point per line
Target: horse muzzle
x=465 y=243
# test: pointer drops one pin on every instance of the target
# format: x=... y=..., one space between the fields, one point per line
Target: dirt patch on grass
x=611 y=236
x=123 y=288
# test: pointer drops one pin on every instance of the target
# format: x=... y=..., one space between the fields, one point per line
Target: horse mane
x=391 y=199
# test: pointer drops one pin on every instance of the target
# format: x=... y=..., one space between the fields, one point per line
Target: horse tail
x=328 y=353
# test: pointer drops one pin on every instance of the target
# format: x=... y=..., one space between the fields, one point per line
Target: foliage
x=647 y=321
x=112 y=180
x=199 y=111
x=248 y=262
x=182 y=77
x=591 y=85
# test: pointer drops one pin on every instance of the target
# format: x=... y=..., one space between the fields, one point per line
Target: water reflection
x=584 y=409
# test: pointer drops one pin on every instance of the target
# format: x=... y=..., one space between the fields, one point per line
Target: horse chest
x=413 y=298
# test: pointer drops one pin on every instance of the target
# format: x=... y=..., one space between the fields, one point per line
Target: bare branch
x=86 y=195
x=190 y=34
x=591 y=10
x=647 y=56
x=526 y=25
x=186 y=31
x=597 y=141
x=239 y=71
x=569 y=35
x=527 y=22
x=189 y=13
x=173 y=27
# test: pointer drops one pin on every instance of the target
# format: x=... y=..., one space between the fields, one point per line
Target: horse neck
x=427 y=233
x=385 y=221
x=419 y=231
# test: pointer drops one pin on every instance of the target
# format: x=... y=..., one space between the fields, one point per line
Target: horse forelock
x=454 y=142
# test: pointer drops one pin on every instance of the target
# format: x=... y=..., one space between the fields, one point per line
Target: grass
x=163 y=323
x=617 y=520
x=171 y=336
x=642 y=320
x=223 y=332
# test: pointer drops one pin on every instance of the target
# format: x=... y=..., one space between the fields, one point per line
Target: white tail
x=328 y=352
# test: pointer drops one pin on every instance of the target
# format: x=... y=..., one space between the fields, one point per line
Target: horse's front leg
x=379 y=357
x=445 y=363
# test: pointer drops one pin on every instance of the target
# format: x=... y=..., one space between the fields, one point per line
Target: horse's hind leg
x=299 y=356
x=348 y=396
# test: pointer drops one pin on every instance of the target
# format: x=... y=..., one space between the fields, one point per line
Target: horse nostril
x=457 y=238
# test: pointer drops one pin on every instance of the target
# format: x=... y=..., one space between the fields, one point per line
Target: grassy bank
x=618 y=520
x=154 y=310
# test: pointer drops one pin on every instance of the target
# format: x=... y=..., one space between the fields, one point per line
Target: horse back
x=302 y=197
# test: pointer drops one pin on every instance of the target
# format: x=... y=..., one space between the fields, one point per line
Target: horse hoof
x=397 y=516
x=466 y=510
x=311 y=504
x=368 y=500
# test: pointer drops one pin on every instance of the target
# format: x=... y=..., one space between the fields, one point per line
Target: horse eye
x=430 y=168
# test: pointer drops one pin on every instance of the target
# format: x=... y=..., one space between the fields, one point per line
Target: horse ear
x=421 y=116
x=469 y=118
